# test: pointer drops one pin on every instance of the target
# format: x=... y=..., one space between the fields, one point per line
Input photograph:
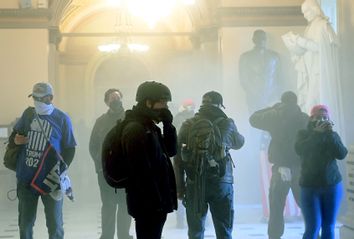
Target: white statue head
x=311 y=9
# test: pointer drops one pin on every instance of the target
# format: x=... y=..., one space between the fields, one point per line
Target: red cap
x=317 y=110
x=188 y=102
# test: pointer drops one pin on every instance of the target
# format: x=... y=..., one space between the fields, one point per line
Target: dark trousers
x=219 y=198
x=278 y=191
x=111 y=218
x=27 y=210
x=320 y=208
x=150 y=225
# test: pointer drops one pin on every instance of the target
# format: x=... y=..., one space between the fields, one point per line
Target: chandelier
x=150 y=11
x=123 y=27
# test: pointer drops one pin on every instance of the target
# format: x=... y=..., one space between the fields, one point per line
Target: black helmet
x=152 y=90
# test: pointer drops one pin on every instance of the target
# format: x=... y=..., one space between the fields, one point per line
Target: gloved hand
x=285 y=174
x=166 y=116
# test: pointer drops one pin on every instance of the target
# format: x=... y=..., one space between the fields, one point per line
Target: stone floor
x=82 y=217
x=82 y=221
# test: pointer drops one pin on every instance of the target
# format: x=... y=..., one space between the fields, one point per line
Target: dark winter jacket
x=152 y=185
x=318 y=152
x=102 y=126
x=231 y=138
x=282 y=121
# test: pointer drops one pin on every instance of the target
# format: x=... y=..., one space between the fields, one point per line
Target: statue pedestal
x=347 y=230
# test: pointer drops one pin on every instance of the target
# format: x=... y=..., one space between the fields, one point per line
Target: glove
x=166 y=116
x=285 y=174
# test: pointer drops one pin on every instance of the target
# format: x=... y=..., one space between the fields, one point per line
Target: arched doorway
x=124 y=72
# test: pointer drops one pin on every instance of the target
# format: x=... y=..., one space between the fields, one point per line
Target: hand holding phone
x=20 y=139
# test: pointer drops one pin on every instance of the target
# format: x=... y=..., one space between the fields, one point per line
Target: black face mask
x=156 y=114
x=163 y=115
x=116 y=105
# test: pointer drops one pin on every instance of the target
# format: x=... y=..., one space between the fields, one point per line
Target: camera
x=321 y=121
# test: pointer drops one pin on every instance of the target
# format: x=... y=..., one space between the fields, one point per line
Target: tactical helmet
x=152 y=90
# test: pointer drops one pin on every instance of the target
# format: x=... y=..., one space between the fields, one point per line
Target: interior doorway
x=124 y=72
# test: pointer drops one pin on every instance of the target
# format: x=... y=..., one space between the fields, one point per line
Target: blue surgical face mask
x=43 y=108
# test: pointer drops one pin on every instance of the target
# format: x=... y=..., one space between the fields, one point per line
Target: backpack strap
x=28 y=115
x=217 y=121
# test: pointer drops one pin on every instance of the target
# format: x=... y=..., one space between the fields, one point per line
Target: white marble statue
x=316 y=61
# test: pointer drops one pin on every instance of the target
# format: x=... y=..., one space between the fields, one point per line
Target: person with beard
x=282 y=121
x=111 y=218
x=47 y=123
x=321 y=182
x=219 y=192
x=151 y=187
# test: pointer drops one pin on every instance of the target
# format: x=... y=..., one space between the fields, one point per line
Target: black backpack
x=114 y=164
x=204 y=152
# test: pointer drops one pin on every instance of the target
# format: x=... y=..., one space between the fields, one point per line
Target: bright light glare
x=151 y=11
x=115 y=47
x=111 y=47
x=114 y=3
x=188 y=2
x=138 y=47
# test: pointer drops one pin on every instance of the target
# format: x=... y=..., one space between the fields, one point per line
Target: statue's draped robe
x=318 y=71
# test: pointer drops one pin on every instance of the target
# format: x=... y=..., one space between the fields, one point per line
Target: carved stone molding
x=54 y=36
x=25 y=18
x=34 y=17
x=58 y=9
x=260 y=16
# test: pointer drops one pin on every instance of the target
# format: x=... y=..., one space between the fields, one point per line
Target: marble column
x=347 y=230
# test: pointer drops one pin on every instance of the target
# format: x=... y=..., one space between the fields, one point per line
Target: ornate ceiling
x=84 y=19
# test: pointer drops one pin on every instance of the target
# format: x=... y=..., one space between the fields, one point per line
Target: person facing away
x=55 y=125
x=282 y=121
x=209 y=179
x=259 y=73
x=321 y=182
x=185 y=111
x=111 y=217
x=151 y=189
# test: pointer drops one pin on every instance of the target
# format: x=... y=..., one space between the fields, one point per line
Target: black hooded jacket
x=282 y=121
x=151 y=187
